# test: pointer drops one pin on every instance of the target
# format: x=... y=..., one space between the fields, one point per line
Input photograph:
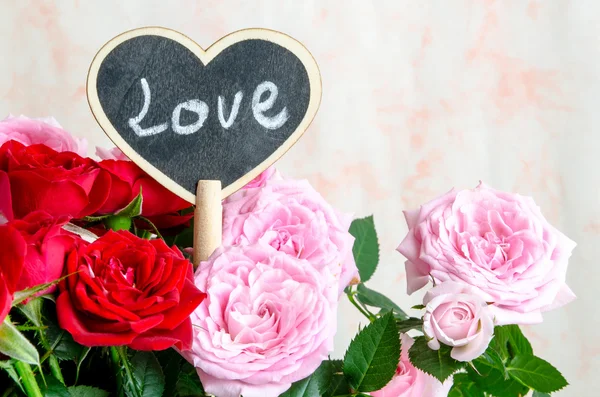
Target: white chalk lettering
x=194 y=105
x=134 y=122
x=258 y=107
x=237 y=100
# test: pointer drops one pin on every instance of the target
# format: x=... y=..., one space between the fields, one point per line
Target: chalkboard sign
x=185 y=114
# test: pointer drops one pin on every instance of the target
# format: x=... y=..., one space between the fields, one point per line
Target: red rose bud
x=128 y=291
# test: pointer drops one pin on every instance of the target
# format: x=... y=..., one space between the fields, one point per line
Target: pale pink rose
x=44 y=131
x=410 y=381
x=110 y=154
x=290 y=216
x=456 y=315
x=263 y=177
x=268 y=320
x=498 y=242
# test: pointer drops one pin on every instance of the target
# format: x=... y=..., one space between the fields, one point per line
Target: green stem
x=52 y=360
x=29 y=383
x=366 y=313
x=114 y=356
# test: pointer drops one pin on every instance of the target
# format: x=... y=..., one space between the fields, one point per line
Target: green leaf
x=8 y=366
x=79 y=360
x=15 y=345
x=313 y=385
x=189 y=384
x=436 y=363
x=171 y=363
x=366 y=247
x=62 y=344
x=52 y=387
x=538 y=374
x=492 y=359
x=338 y=385
x=463 y=386
x=540 y=394
x=22 y=295
x=409 y=324
x=375 y=299
x=418 y=307
x=33 y=311
x=493 y=381
x=372 y=357
x=87 y=391
x=148 y=374
x=509 y=341
x=134 y=208
x=95 y=218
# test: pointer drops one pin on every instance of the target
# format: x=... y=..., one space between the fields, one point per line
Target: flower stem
x=367 y=314
x=116 y=360
x=29 y=383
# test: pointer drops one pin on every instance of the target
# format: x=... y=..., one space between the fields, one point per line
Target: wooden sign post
x=204 y=123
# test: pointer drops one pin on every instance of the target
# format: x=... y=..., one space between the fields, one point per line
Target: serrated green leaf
x=509 y=341
x=491 y=358
x=463 y=386
x=366 y=247
x=539 y=394
x=409 y=324
x=372 y=357
x=12 y=372
x=15 y=345
x=313 y=385
x=493 y=382
x=134 y=208
x=52 y=387
x=538 y=374
x=171 y=363
x=148 y=374
x=436 y=363
x=375 y=299
x=62 y=344
x=188 y=385
x=87 y=391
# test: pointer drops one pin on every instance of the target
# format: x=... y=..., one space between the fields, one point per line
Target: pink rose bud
x=498 y=242
x=456 y=315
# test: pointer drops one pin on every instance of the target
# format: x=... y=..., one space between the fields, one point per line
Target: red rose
x=59 y=183
x=128 y=291
x=47 y=244
x=159 y=204
x=12 y=255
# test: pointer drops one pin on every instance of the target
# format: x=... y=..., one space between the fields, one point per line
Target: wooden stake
x=208 y=219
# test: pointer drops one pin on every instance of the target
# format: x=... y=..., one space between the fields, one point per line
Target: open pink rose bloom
x=497 y=242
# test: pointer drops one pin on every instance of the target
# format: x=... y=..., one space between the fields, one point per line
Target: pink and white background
x=418 y=97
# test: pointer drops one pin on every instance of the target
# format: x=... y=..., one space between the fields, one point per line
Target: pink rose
x=110 y=154
x=290 y=216
x=263 y=177
x=44 y=131
x=456 y=315
x=498 y=242
x=411 y=382
x=268 y=320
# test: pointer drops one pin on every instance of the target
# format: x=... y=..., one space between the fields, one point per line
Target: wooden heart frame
x=205 y=56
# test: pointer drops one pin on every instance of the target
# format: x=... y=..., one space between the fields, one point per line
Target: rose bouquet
x=98 y=296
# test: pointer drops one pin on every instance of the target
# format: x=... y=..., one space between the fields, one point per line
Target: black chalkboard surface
x=185 y=114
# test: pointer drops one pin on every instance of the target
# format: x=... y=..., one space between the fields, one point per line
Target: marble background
x=418 y=97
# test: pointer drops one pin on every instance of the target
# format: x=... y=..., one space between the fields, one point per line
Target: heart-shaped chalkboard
x=185 y=114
